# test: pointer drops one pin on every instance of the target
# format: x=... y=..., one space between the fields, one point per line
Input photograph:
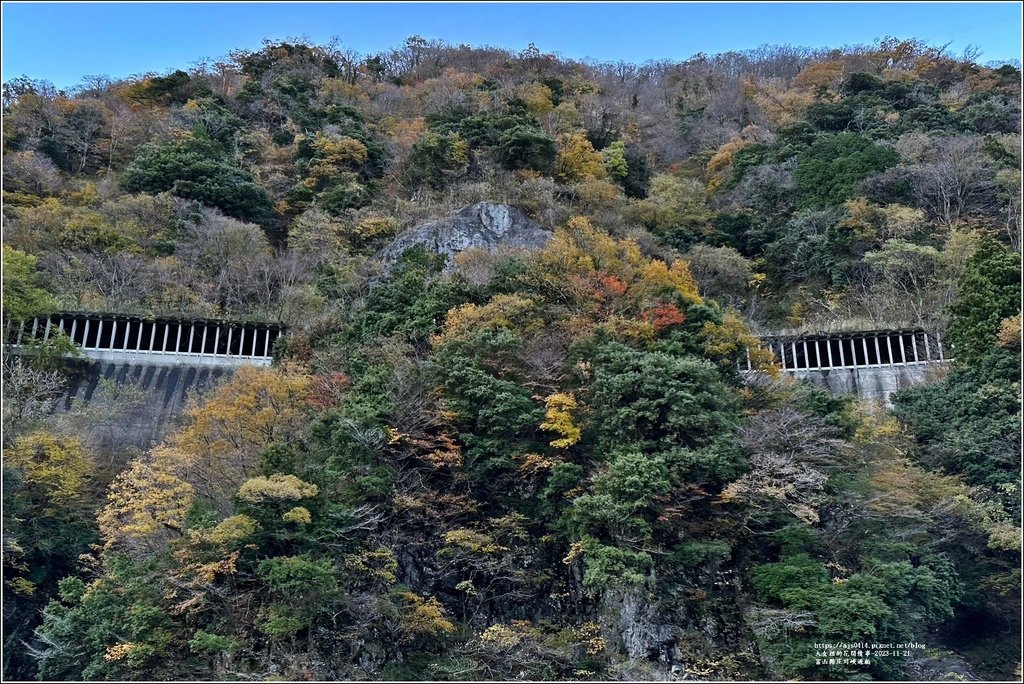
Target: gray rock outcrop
x=485 y=225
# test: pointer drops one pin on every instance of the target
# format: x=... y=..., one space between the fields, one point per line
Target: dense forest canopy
x=521 y=464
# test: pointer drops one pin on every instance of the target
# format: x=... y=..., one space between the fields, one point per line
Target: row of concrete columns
x=152 y=337
x=862 y=351
x=256 y=341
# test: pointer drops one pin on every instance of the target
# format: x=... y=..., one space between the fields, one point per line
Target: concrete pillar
x=113 y=335
x=842 y=353
x=807 y=358
x=864 y=343
x=878 y=352
x=85 y=335
x=138 y=338
x=167 y=332
x=216 y=339
x=792 y=346
x=191 y=336
x=938 y=343
x=927 y=349
x=177 y=339
x=74 y=327
x=99 y=333
x=152 y=338
x=127 y=334
x=35 y=327
x=913 y=344
x=266 y=344
x=230 y=333
x=828 y=348
x=903 y=350
x=888 y=344
x=46 y=333
x=255 y=334
x=202 y=343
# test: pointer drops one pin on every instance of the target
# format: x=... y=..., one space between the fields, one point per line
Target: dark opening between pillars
x=118 y=336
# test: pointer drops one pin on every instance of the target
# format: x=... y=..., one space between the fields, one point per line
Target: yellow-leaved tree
x=559 y=419
x=57 y=466
x=423 y=618
x=333 y=156
x=275 y=488
x=210 y=457
x=503 y=311
x=732 y=338
x=146 y=506
x=609 y=282
x=224 y=435
x=577 y=160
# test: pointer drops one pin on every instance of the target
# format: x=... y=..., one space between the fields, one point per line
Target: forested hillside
x=535 y=464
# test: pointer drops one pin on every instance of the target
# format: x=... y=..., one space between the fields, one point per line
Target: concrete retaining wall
x=163 y=389
x=872 y=383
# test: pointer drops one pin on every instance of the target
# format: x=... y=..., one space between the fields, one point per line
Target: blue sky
x=62 y=42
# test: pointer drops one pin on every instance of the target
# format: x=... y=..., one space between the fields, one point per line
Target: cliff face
x=485 y=225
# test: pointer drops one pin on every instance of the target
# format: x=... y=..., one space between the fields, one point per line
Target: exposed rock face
x=935 y=665
x=484 y=225
x=634 y=620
